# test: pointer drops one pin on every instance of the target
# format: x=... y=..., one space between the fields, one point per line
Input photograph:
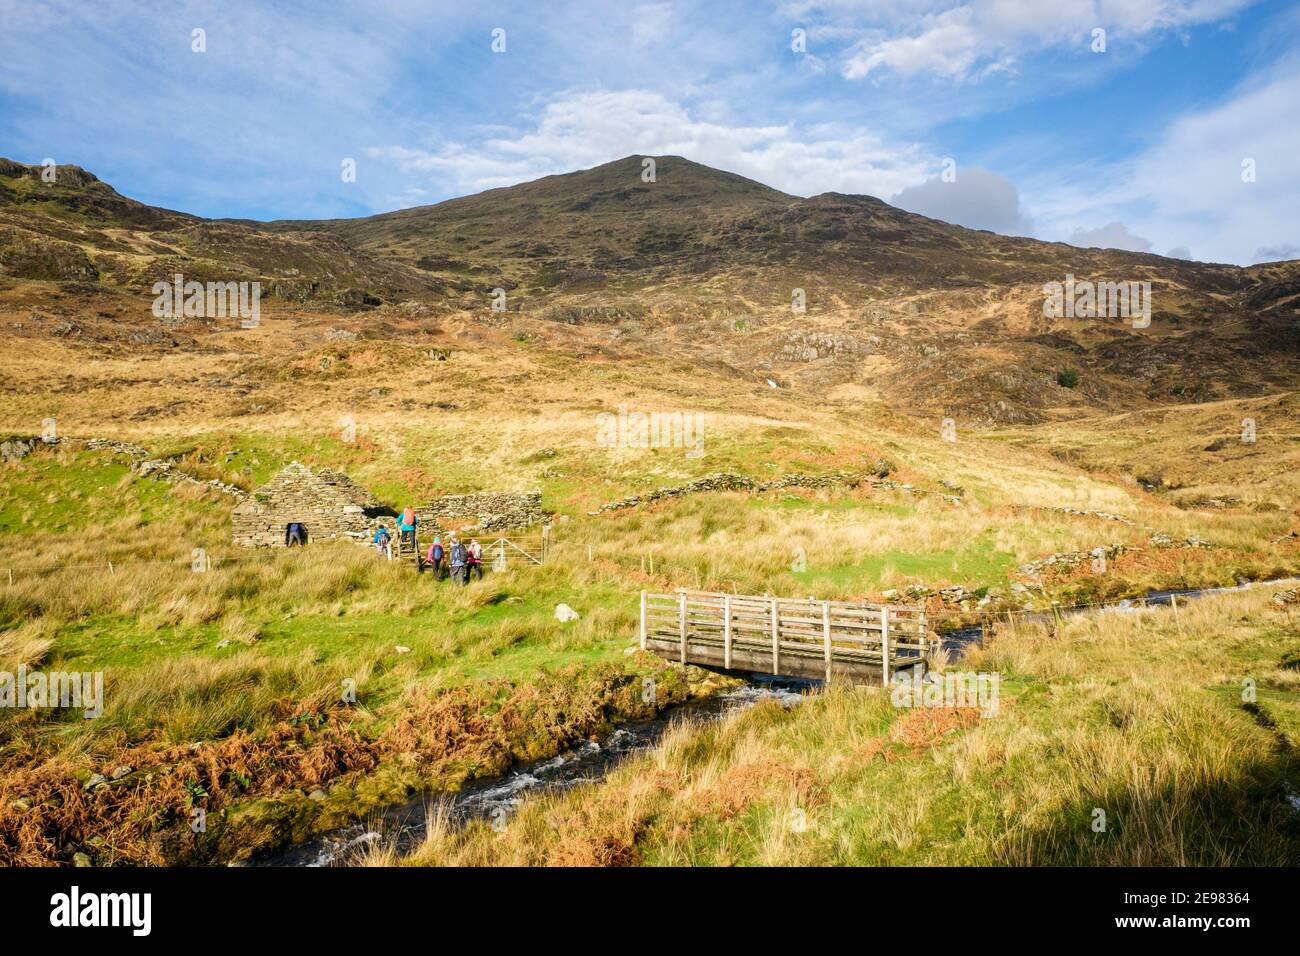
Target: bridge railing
x=798 y=636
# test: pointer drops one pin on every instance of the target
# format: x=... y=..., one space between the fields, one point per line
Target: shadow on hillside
x=1252 y=819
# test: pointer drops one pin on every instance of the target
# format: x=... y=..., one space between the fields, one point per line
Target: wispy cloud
x=581 y=129
x=969 y=41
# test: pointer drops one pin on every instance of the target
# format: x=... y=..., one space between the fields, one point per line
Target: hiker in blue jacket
x=435 y=556
x=295 y=533
x=459 y=562
x=381 y=540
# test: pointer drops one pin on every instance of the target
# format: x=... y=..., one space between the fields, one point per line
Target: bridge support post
x=726 y=631
x=884 y=646
x=776 y=639
x=643 y=627
x=681 y=621
x=826 y=636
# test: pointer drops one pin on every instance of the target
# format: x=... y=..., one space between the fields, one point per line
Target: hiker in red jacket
x=474 y=559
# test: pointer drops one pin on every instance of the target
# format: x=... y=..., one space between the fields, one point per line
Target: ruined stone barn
x=330 y=504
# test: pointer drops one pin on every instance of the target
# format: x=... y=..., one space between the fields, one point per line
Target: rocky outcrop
x=484 y=511
x=16 y=449
x=1287 y=598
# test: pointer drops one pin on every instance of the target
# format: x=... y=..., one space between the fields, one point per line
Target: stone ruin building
x=330 y=504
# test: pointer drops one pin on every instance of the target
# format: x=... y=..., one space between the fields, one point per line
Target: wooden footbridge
x=855 y=642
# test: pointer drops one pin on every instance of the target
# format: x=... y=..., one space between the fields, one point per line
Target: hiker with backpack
x=459 y=558
x=295 y=533
x=406 y=524
x=435 y=556
x=474 y=561
x=382 y=541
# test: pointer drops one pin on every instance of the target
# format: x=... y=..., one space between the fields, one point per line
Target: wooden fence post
x=681 y=621
x=826 y=636
x=776 y=639
x=643 y=627
x=923 y=641
x=726 y=631
x=884 y=645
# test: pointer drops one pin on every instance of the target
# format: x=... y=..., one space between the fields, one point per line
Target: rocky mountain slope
x=702 y=266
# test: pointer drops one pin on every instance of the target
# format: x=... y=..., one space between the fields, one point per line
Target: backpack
x=408 y=517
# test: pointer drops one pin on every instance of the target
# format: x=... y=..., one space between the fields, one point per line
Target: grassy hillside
x=1140 y=717
x=224 y=689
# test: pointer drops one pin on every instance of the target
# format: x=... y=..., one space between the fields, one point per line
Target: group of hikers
x=457 y=559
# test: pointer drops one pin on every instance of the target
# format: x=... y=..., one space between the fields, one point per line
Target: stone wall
x=484 y=511
x=722 y=481
x=330 y=504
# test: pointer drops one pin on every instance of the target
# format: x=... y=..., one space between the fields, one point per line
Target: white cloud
x=577 y=130
x=1280 y=253
x=976 y=198
x=651 y=23
x=971 y=40
x=1113 y=235
x=1186 y=188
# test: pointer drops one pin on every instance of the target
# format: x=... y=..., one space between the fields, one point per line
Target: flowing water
x=402 y=826
x=956 y=641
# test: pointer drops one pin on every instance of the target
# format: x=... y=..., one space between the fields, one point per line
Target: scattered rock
x=17 y=449
x=96 y=780
x=1287 y=597
x=223 y=644
x=564 y=614
x=1160 y=539
x=22 y=804
x=122 y=771
x=318 y=795
x=81 y=859
x=402 y=649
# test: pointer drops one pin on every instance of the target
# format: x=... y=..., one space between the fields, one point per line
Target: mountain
x=704 y=265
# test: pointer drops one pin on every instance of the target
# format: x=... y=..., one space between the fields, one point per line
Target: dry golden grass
x=1138 y=715
x=505 y=413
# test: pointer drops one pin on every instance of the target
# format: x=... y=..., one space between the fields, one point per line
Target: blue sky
x=1140 y=146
